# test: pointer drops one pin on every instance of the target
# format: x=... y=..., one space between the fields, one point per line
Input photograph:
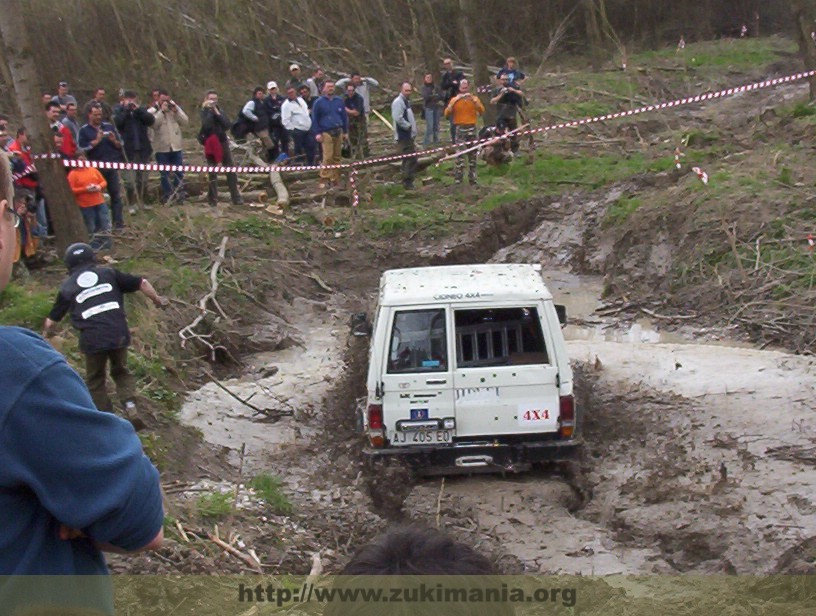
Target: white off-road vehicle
x=468 y=370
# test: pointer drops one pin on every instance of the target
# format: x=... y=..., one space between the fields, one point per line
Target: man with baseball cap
x=294 y=78
x=277 y=132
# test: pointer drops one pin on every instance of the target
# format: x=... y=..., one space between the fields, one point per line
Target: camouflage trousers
x=463 y=135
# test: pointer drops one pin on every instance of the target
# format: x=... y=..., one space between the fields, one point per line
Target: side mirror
x=561 y=311
x=360 y=325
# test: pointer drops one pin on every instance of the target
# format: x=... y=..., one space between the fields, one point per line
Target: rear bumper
x=479 y=457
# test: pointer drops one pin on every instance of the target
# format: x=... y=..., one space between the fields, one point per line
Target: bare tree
x=803 y=13
x=65 y=214
x=469 y=11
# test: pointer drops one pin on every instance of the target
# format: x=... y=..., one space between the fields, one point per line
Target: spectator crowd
x=312 y=120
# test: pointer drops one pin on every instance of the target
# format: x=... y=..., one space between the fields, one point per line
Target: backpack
x=241 y=126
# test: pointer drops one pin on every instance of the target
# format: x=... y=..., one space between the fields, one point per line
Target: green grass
x=621 y=210
x=269 y=488
x=740 y=54
x=255 y=226
x=396 y=212
x=25 y=306
x=214 y=505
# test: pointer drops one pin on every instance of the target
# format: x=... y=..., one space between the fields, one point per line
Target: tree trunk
x=65 y=215
x=469 y=11
x=594 y=38
x=803 y=12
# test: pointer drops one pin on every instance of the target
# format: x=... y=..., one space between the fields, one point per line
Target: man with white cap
x=294 y=80
x=277 y=132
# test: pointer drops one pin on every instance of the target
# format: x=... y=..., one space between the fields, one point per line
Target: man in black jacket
x=278 y=133
x=450 y=88
x=94 y=296
x=132 y=121
x=213 y=136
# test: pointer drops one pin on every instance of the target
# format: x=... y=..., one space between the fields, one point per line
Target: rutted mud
x=698 y=457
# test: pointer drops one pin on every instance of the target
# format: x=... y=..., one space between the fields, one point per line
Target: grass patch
x=804 y=110
x=25 y=306
x=620 y=211
x=269 y=488
x=254 y=226
x=214 y=505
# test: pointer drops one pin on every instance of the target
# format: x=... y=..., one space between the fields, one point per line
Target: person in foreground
x=399 y=558
x=74 y=481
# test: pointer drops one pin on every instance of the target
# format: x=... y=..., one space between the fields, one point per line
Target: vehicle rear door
x=505 y=380
x=417 y=379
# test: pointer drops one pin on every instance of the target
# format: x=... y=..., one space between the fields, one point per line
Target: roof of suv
x=455 y=283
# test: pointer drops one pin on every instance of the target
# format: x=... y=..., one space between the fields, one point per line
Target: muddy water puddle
x=696 y=460
x=299 y=378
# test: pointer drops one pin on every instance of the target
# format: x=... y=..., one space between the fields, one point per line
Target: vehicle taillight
x=566 y=420
x=375 y=417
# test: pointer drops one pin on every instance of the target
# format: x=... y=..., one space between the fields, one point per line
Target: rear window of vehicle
x=418 y=342
x=499 y=337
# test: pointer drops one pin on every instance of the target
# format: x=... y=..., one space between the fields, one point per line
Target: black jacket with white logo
x=95 y=297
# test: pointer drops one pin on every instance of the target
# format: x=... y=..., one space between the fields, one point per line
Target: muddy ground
x=700 y=448
x=700 y=451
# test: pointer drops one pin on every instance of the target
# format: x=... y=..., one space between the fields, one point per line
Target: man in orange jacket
x=88 y=186
x=464 y=109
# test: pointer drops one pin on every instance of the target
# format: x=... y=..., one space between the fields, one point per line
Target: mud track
x=698 y=458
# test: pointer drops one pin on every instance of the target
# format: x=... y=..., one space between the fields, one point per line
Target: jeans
x=168 y=191
x=304 y=145
x=97 y=222
x=432 y=116
x=41 y=230
x=114 y=190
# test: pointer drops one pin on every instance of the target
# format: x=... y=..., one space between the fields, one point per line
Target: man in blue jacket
x=100 y=142
x=331 y=126
x=73 y=481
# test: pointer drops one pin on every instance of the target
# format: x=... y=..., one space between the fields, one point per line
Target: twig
x=672 y=317
x=188 y=332
x=319 y=281
x=233 y=395
x=183 y=534
x=246 y=558
x=627 y=99
x=439 y=502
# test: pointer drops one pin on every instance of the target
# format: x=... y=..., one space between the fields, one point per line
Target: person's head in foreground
x=393 y=564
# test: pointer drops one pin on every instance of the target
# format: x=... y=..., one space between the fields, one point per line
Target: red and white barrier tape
x=21 y=174
x=355 y=196
x=700 y=174
x=699 y=98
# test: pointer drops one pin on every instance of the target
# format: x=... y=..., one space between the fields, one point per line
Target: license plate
x=420 y=437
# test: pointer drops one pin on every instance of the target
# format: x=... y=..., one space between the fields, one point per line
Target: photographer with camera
x=213 y=136
x=133 y=120
x=100 y=142
x=508 y=98
x=464 y=110
x=168 y=145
